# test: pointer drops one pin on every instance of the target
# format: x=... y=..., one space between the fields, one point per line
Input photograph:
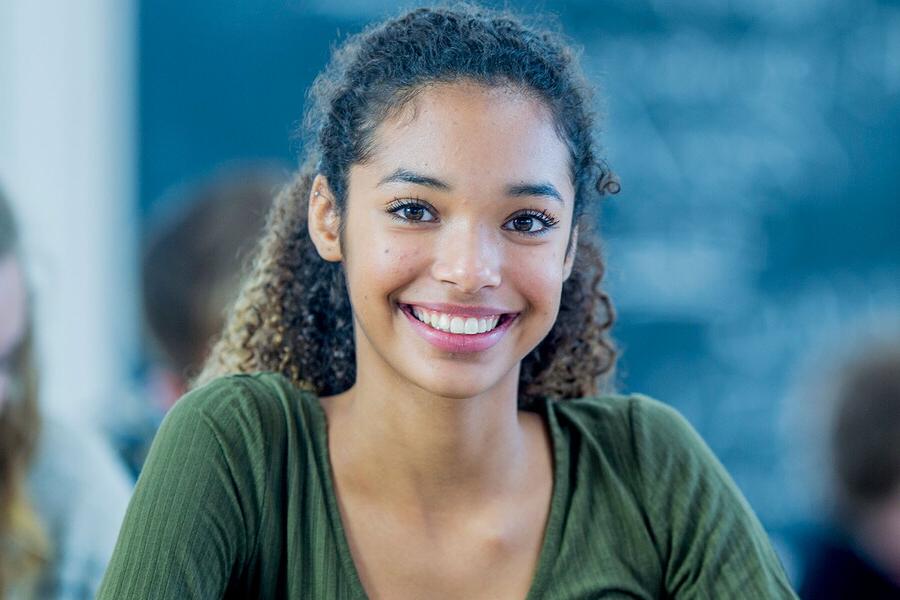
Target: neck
x=393 y=441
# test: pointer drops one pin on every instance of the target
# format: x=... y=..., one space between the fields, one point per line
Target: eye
x=532 y=222
x=410 y=211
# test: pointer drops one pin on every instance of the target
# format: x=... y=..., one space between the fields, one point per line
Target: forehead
x=13 y=304
x=472 y=130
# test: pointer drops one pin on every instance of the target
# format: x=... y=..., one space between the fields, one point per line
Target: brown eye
x=523 y=223
x=413 y=213
x=410 y=211
x=531 y=223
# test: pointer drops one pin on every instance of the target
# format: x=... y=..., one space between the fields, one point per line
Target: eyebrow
x=535 y=189
x=545 y=189
x=407 y=176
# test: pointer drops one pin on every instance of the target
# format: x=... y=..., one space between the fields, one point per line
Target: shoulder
x=211 y=495
x=248 y=424
x=268 y=395
x=710 y=541
x=622 y=408
x=640 y=423
x=651 y=445
x=249 y=406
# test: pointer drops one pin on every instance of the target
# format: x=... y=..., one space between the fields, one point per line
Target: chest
x=472 y=560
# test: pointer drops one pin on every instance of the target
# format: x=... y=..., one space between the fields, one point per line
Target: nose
x=468 y=257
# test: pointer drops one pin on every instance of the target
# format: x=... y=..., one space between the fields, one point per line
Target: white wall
x=67 y=161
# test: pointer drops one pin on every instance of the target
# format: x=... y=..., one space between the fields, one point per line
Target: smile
x=454 y=323
x=454 y=332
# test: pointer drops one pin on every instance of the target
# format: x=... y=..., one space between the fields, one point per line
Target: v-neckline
x=552 y=530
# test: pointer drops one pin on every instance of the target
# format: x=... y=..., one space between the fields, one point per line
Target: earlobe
x=324 y=220
x=570 y=254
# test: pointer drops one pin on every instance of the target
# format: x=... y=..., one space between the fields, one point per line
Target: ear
x=324 y=220
x=570 y=254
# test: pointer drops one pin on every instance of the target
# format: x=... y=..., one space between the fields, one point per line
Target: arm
x=195 y=510
x=712 y=543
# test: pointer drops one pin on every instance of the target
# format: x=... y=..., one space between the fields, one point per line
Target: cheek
x=538 y=276
x=396 y=257
x=382 y=264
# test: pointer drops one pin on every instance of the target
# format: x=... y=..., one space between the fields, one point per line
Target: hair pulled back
x=293 y=315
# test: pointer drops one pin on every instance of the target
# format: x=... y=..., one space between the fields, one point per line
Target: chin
x=459 y=387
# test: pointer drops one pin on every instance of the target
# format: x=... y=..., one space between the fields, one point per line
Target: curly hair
x=293 y=315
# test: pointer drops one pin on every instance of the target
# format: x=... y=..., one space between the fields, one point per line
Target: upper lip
x=461 y=310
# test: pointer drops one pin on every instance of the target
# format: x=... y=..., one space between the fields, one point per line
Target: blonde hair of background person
x=23 y=544
x=354 y=449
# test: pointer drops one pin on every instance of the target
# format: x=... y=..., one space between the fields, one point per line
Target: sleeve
x=712 y=544
x=194 y=515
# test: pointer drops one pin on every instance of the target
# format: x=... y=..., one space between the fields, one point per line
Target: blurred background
x=754 y=246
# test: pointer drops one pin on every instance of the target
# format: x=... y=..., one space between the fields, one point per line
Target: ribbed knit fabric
x=236 y=501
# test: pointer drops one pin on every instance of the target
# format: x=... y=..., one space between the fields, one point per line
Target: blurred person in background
x=23 y=546
x=190 y=274
x=862 y=558
x=192 y=264
x=62 y=494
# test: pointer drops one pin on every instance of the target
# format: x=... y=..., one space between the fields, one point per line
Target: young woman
x=421 y=343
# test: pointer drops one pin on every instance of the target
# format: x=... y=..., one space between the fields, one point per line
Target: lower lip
x=458 y=342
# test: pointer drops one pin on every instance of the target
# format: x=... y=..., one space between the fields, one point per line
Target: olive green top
x=236 y=500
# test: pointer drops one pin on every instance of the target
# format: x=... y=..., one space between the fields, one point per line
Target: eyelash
x=549 y=221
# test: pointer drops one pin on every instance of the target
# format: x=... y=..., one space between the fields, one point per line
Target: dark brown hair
x=865 y=433
x=193 y=258
x=294 y=316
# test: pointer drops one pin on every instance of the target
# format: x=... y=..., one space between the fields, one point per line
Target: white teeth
x=458 y=325
x=471 y=325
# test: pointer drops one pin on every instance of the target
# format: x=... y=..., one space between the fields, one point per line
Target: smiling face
x=460 y=218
